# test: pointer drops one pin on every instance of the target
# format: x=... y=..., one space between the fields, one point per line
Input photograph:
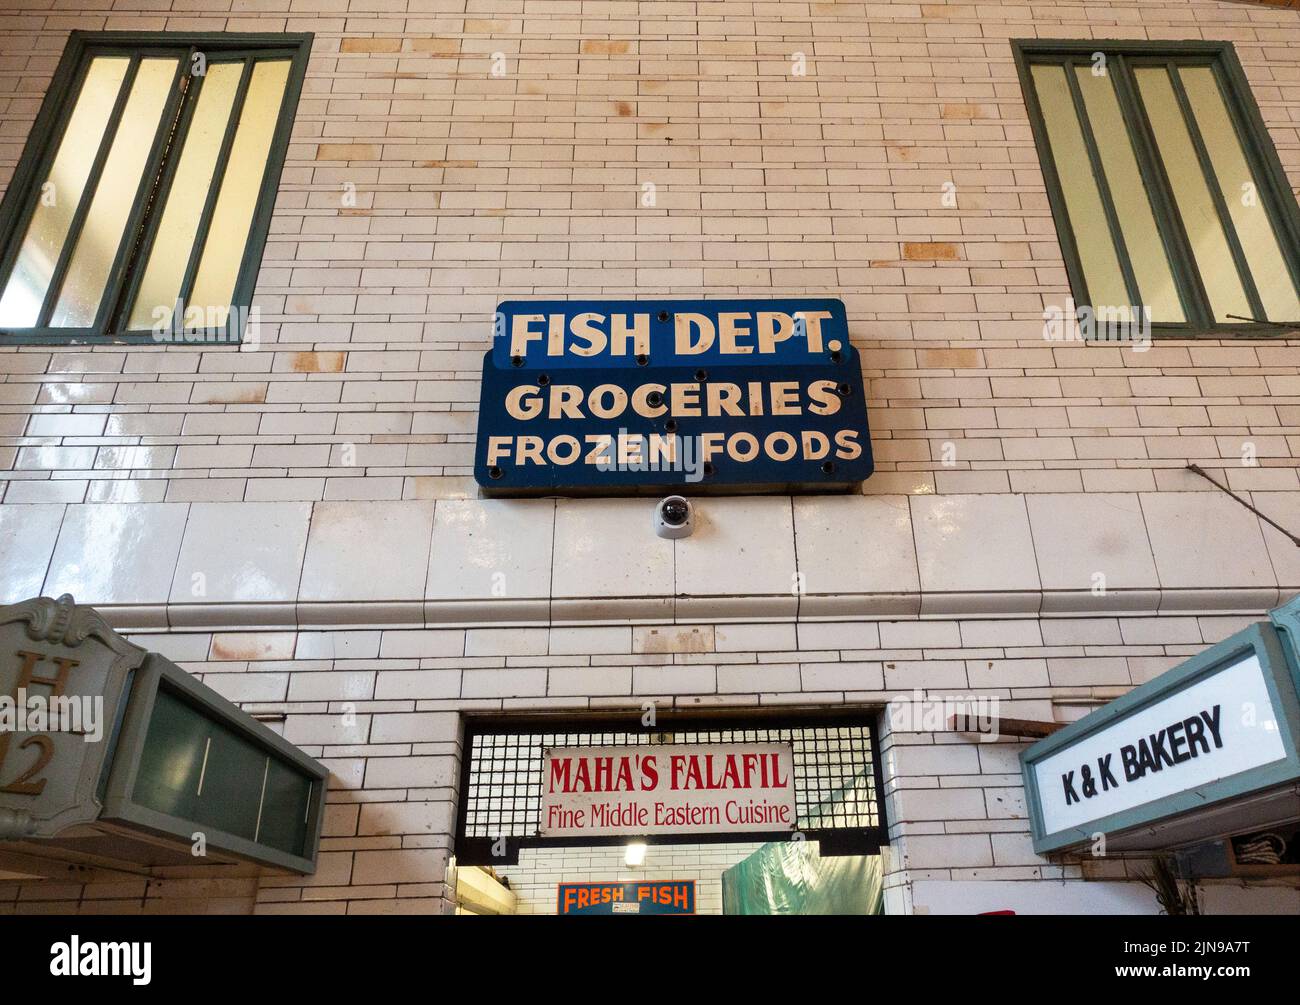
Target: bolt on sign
x=597 y=396
x=64 y=675
x=647 y=790
x=667 y=896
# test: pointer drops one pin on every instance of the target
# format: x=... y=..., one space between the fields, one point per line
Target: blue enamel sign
x=673 y=394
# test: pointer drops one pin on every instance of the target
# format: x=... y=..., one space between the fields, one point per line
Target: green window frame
x=1143 y=146
x=166 y=142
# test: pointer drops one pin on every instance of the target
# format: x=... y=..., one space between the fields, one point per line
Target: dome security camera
x=674 y=517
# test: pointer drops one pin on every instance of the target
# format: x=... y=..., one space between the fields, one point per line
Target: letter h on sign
x=28 y=784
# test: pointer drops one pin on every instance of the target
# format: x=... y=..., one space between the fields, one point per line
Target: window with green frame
x=1167 y=193
x=141 y=205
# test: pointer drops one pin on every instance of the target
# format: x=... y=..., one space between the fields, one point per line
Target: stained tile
x=1085 y=542
x=251 y=646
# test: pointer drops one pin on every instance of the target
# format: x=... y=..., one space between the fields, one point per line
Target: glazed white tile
x=855 y=544
x=1078 y=536
x=740 y=547
x=27 y=536
x=1284 y=507
x=366 y=551
x=117 y=553
x=973 y=543
x=608 y=548
x=491 y=549
x=1206 y=541
x=241 y=553
x=190 y=648
x=67 y=424
x=337 y=645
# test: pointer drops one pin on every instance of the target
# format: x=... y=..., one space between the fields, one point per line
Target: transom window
x=1166 y=190
x=141 y=205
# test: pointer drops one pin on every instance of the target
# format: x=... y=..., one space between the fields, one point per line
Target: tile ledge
x=570 y=611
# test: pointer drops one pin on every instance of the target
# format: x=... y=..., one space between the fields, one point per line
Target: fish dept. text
x=734 y=333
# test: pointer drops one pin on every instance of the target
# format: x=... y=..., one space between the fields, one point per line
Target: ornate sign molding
x=57 y=656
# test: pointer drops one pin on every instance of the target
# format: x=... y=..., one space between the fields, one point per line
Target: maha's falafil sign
x=671 y=789
x=625 y=395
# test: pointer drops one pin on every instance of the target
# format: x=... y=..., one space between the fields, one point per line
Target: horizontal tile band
x=594 y=561
x=338 y=616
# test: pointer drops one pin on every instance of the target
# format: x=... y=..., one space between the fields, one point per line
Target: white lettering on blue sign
x=628 y=394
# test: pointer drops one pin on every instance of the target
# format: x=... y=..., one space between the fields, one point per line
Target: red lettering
x=649 y=773
x=560 y=768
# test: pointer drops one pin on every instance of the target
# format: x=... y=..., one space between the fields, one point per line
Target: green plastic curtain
x=792 y=877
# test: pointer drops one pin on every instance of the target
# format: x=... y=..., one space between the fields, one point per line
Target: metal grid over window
x=837 y=777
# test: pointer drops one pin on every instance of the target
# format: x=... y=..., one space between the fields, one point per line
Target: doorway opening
x=826 y=861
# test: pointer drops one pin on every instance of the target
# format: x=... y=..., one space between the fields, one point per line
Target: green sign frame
x=1261 y=640
x=121 y=804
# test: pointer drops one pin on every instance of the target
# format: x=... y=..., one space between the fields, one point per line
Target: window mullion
x=125 y=264
x=218 y=175
x=1262 y=158
x=31 y=186
x=1056 y=191
x=1103 y=188
x=1196 y=302
x=1216 y=196
x=88 y=195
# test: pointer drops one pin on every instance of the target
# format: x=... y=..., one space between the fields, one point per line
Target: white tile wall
x=299 y=478
x=387 y=726
x=472 y=188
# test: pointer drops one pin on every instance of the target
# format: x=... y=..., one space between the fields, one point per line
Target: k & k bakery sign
x=646 y=790
x=1221 y=726
x=626 y=395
